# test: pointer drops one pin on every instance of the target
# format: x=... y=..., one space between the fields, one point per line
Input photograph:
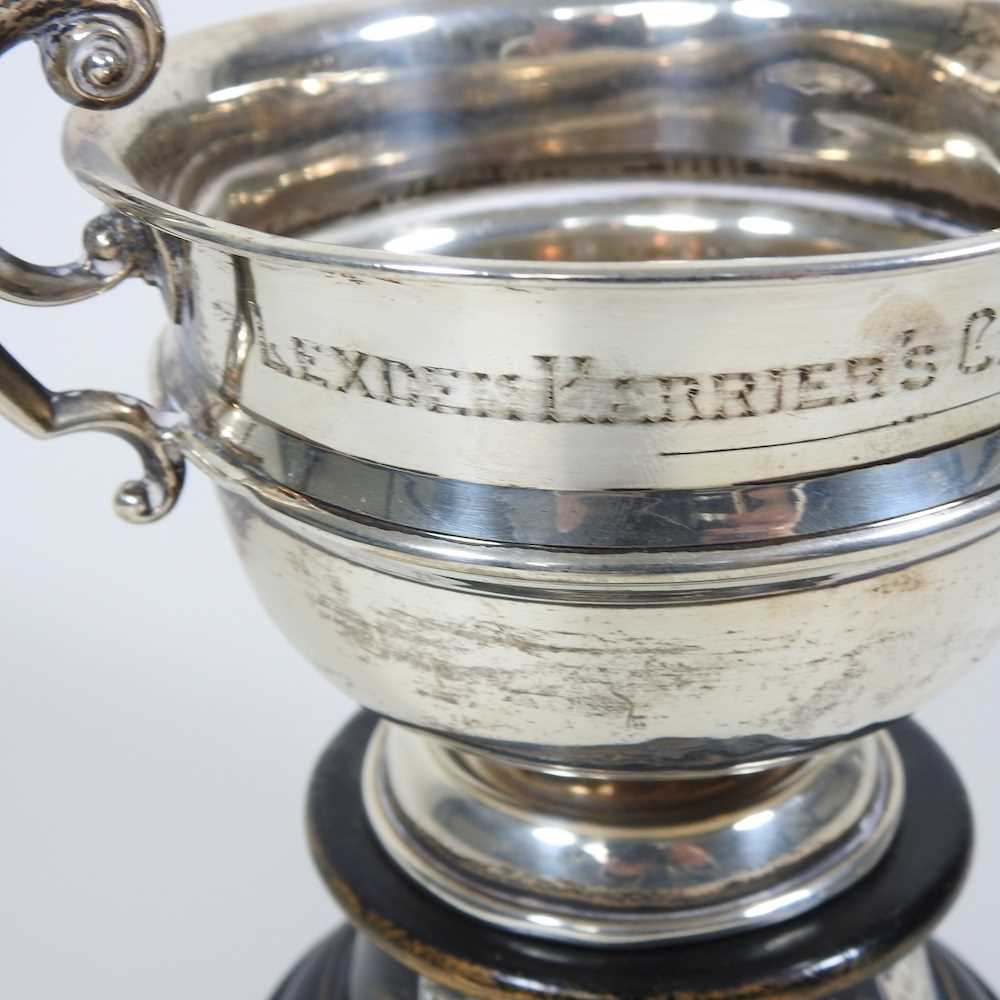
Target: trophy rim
x=249 y=242
x=92 y=149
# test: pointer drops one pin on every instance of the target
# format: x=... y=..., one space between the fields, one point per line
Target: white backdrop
x=156 y=732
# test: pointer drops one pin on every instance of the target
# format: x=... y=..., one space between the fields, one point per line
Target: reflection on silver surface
x=608 y=389
x=456 y=94
x=641 y=220
x=271 y=461
x=630 y=660
x=610 y=862
x=99 y=55
x=591 y=382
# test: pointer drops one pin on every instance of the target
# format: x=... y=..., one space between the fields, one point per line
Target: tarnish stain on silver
x=608 y=397
x=477 y=667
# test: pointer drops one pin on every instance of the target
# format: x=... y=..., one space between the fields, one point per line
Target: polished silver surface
x=227 y=439
x=641 y=660
x=586 y=383
x=617 y=862
x=45 y=414
x=609 y=390
x=625 y=334
x=642 y=220
x=100 y=54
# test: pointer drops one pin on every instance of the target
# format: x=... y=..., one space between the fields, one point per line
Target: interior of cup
x=637 y=131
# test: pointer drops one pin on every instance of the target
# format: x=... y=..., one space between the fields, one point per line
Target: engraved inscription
x=585 y=390
x=919 y=361
x=975 y=357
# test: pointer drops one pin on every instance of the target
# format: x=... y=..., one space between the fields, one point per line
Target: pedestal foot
x=411 y=946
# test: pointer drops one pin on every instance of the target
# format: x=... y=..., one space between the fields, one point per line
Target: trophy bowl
x=593 y=387
x=604 y=395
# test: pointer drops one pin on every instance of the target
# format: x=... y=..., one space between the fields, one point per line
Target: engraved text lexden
x=582 y=389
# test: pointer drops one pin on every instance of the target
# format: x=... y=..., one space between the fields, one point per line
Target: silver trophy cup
x=604 y=395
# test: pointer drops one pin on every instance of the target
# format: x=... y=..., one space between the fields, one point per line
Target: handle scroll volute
x=97 y=54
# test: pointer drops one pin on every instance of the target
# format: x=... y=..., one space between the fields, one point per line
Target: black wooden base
x=324 y=972
x=834 y=951
x=345 y=967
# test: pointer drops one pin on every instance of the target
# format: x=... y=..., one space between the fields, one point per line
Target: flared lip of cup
x=92 y=142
